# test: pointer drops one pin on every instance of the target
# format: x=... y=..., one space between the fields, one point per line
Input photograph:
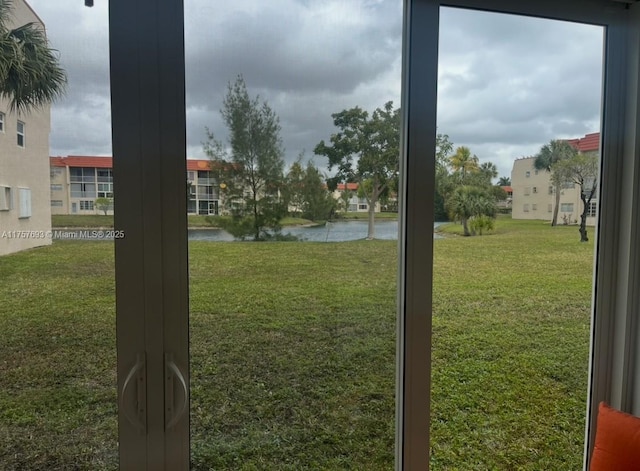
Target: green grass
x=81 y=220
x=293 y=354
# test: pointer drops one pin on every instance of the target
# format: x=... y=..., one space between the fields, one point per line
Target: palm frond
x=30 y=71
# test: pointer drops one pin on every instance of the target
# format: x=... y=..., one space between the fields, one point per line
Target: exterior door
x=148 y=113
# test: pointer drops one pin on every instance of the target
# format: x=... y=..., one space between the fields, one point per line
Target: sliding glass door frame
x=149 y=149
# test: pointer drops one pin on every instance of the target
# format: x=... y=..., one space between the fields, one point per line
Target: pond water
x=339 y=231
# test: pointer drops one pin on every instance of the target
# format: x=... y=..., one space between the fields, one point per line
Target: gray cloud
x=507 y=85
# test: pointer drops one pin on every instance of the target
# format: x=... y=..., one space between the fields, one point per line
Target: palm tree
x=30 y=73
x=470 y=201
x=504 y=181
x=549 y=155
x=463 y=161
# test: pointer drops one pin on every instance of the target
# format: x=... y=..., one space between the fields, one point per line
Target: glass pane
x=57 y=314
x=292 y=342
x=519 y=100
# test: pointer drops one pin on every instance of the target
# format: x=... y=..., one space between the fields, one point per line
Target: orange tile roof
x=81 y=161
x=508 y=189
x=350 y=186
x=107 y=162
x=588 y=143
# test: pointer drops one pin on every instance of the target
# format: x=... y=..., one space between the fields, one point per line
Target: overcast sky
x=507 y=84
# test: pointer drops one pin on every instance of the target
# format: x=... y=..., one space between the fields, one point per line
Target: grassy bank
x=293 y=358
x=100 y=220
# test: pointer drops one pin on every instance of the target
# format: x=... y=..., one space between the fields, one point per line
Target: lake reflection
x=331 y=232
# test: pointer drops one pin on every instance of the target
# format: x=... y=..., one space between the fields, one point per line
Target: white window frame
x=87 y=205
x=6 y=198
x=24 y=203
x=3 y=122
x=21 y=134
x=564 y=206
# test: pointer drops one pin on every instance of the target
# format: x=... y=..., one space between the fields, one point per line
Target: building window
x=56 y=203
x=105 y=183
x=83 y=190
x=191 y=176
x=535 y=171
x=534 y=207
x=566 y=207
x=527 y=174
x=56 y=172
x=82 y=174
x=525 y=208
x=549 y=208
x=1 y=122
x=105 y=175
x=204 y=177
x=527 y=191
x=6 y=198
x=568 y=185
x=86 y=205
x=363 y=206
x=24 y=197
x=591 y=212
x=105 y=190
x=20 y=134
x=535 y=189
x=550 y=190
x=56 y=187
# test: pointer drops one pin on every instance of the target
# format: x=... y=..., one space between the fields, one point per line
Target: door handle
x=135 y=410
x=173 y=412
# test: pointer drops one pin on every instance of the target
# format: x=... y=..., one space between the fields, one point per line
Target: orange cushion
x=617 y=445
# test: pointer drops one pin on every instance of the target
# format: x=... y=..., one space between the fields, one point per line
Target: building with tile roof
x=77 y=181
x=534 y=194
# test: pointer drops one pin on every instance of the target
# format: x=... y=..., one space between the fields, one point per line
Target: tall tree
x=489 y=170
x=317 y=202
x=251 y=178
x=504 y=181
x=293 y=189
x=365 y=149
x=30 y=72
x=443 y=148
x=305 y=193
x=581 y=169
x=464 y=162
x=546 y=159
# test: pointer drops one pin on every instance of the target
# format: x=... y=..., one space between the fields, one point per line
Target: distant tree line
x=257 y=192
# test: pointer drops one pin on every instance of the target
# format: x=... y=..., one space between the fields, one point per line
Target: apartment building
x=534 y=194
x=25 y=215
x=78 y=181
x=357 y=204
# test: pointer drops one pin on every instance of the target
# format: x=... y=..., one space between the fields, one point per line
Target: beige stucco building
x=78 y=181
x=25 y=214
x=357 y=204
x=534 y=194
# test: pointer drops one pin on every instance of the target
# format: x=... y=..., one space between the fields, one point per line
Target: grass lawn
x=293 y=354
